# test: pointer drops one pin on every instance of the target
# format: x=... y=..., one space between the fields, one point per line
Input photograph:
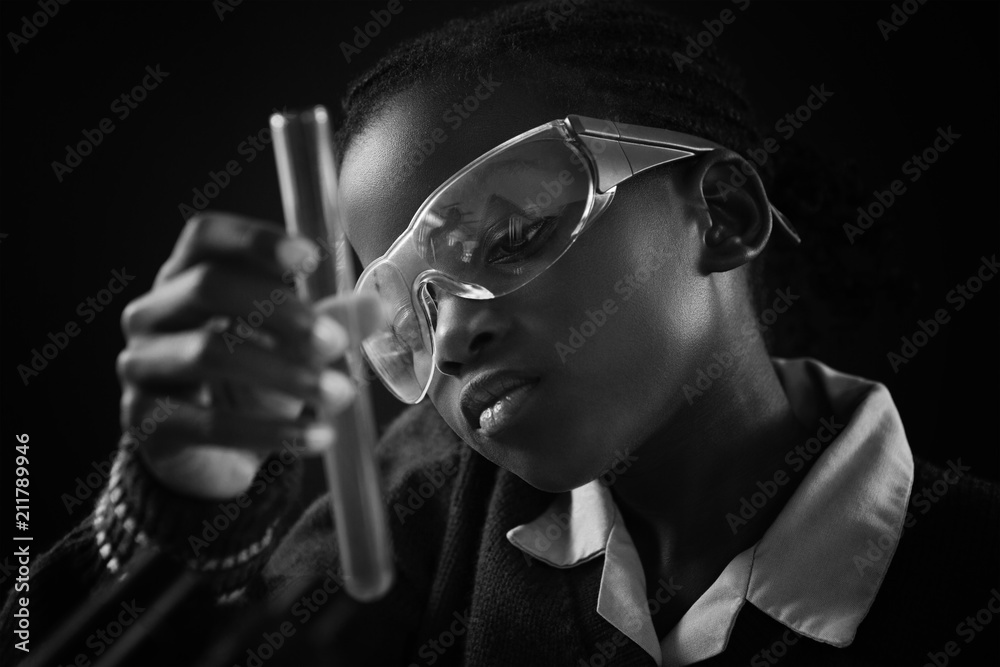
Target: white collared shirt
x=818 y=566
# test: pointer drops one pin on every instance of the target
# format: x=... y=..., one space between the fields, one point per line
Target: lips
x=490 y=389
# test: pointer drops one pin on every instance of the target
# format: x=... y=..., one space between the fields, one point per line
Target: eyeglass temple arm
x=627 y=150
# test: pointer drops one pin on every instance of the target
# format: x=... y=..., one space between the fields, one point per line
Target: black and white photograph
x=578 y=333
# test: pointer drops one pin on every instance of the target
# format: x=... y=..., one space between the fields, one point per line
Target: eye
x=516 y=238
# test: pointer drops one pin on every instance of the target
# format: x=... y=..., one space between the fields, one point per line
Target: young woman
x=610 y=467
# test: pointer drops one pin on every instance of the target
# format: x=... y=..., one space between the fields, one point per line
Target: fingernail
x=319 y=437
x=337 y=388
x=297 y=254
x=218 y=324
x=329 y=337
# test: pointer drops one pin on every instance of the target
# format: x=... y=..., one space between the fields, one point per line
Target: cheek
x=659 y=329
x=647 y=304
x=633 y=306
x=628 y=343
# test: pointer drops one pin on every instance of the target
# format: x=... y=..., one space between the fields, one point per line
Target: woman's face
x=605 y=338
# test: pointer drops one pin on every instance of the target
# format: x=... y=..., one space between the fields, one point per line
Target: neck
x=683 y=504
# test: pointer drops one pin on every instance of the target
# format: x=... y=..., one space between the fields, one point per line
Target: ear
x=738 y=221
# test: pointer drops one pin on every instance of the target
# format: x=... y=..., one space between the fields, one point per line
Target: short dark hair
x=623 y=61
x=628 y=56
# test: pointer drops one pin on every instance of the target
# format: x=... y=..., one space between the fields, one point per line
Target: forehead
x=421 y=137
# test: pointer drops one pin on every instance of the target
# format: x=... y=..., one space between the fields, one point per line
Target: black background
x=120 y=207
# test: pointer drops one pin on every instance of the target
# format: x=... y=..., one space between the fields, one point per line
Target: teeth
x=490 y=413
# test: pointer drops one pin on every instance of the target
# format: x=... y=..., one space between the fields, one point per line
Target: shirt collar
x=818 y=582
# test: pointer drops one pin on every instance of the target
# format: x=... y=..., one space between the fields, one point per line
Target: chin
x=547 y=484
x=548 y=462
x=552 y=478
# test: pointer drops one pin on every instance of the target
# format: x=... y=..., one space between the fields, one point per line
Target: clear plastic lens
x=493 y=229
x=394 y=364
x=507 y=219
x=405 y=330
x=392 y=351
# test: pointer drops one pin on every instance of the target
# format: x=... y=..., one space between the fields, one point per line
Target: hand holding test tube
x=308 y=179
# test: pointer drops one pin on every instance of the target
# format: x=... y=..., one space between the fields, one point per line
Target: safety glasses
x=499 y=223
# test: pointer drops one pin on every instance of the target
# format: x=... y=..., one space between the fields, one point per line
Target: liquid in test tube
x=308 y=179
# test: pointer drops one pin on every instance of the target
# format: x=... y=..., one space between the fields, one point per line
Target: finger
x=206 y=291
x=203 y=356
x=193 y=426
x=165 y=426
x=230 y=238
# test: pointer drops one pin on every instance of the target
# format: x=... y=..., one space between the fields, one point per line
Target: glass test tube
x=307 y=175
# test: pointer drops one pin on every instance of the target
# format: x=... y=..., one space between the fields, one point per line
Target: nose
x=466 y=329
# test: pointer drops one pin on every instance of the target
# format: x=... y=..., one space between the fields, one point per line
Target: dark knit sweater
x=465 y=595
